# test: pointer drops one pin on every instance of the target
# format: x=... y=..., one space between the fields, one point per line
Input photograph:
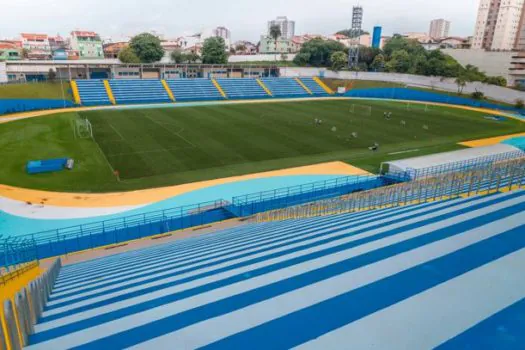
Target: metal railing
x=21 y=311
x=507 y=174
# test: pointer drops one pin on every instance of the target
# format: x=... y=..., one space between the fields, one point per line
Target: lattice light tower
x=355 y=33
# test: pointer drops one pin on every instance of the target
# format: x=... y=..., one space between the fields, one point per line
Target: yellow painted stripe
x=76 y=94
x=221 y=91
x=323 y=85
x=109 y=92
x=303 y=86
x=259 y=81
x=168 y=90
x=490 y=141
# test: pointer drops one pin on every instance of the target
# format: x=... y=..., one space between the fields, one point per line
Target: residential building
x=519 y=43
x=36 y=45
x=59 y=47
x=223 y=32
x=517 y=70
x=243 y=47
x=112 y=50
x=282 y=45
x=9 y=51
x=88 y=44
x=439 y=28
x=497 y=24
x=287 y=26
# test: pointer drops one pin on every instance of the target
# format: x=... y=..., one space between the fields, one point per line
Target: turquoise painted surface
x=518 y=142
x=16 y=225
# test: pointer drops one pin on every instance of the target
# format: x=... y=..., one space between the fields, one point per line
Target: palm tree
x=461 y=82
x=275 y=33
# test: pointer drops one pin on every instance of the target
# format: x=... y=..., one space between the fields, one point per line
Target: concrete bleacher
x=240 y=88
x=194 y=90
x=139 y=91
x=284 y=87
x=315 y=88
x=92 y=92
x=366 y=279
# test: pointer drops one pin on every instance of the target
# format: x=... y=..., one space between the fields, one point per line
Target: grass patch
x=45 y=90
x=167 y=146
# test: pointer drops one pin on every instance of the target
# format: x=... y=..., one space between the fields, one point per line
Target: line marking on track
x=401 y=152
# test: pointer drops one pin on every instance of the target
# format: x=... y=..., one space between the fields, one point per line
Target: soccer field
x=157 y=147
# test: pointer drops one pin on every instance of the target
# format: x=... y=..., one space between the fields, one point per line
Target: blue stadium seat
x=92 y=92
x=284 y=87
x=194 y=90
x=315 y=88
x=320 y=282
x=242 y=88
x=138 y=91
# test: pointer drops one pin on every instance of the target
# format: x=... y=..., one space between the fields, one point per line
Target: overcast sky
x=246 y=19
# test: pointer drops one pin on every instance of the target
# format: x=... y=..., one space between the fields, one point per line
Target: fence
x=267 y=200
x=23 y=309
x=493 y=178
x=426 y=96
x=88 y=236
x=8 y=106
x=463 y=165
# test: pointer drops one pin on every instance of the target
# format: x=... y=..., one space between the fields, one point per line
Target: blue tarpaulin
x=45 y=166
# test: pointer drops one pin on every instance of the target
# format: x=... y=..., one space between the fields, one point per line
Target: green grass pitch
x=166 y=146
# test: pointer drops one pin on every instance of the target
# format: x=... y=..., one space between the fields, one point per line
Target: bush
x=519 y=103
x=478 y=95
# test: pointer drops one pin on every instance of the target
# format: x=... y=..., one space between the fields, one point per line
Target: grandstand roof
x=449 y=157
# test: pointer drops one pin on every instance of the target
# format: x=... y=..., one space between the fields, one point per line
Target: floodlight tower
x=355 y=33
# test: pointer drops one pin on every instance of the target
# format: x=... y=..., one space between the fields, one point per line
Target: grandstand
x=194 y=90
x=138 y=91
x=316 y=282
x=133 y=91
x=92 y=92
x=239 y=88
x=336 y=273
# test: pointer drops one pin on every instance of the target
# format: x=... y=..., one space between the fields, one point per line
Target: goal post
x=84 y=129
x=360 y=109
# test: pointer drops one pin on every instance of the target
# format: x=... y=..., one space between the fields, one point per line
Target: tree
x=127 y=55
x=147 y=47
x=519 y=104
x=339 y=60
x=25 y=53
x=275 y=33
x=177 y=56
x=499 y=81
x=379 y=63
x=318 y=53
x=191 y=57
x=478 y=95
x=461 y=82
x=51 y=75
x=240 y=47
x=214 y=51
x=368 y=54
x=399 y=62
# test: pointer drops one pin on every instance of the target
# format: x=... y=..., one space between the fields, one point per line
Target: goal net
x=418 y=107
x=83 y=129
x=360 y=109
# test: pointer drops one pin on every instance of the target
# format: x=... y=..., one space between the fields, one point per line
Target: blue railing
x=427 y=96
x=283 y=197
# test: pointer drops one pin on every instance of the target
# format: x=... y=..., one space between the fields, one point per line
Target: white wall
x=490 y=91
x=258 y=58
x=491 y=62
x=3 y=72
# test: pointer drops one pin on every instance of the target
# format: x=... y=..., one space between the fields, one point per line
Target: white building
x=287 y=26
x=439 y=28
x=497 y=24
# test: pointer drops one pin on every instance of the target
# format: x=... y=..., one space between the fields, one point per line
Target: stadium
x=269 y=211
